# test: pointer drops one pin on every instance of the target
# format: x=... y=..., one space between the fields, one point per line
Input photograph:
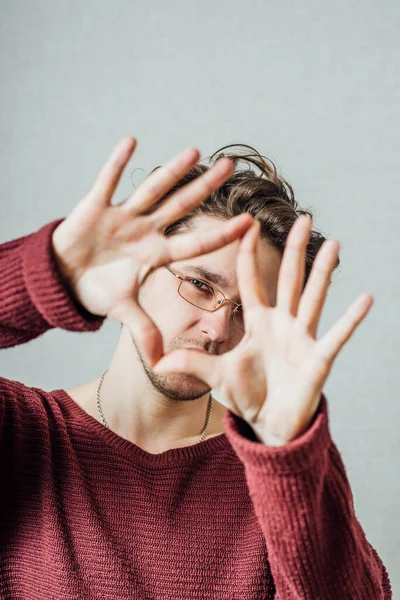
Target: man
x=140 y=484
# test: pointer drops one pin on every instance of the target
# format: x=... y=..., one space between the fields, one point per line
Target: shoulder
x=23 y=403
x=12 y=389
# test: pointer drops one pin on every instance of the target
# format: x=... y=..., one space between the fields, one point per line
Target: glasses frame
x=220 y=302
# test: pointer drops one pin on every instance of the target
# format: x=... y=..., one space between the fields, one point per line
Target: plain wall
x=313 y=85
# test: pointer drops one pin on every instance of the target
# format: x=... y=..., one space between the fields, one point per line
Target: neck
x=154 y=412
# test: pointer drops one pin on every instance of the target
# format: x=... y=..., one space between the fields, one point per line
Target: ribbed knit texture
x=86 y=514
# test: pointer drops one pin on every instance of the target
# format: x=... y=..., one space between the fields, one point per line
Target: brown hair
x=267 y=196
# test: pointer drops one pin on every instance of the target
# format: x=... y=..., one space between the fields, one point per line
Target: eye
x=205 y=288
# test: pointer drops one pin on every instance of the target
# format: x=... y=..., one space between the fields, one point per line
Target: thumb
x=192 y=362
x=143 y=330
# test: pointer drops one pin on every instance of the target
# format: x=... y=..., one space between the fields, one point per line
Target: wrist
x=61 y=265
x=267 y=438
x=288 y=434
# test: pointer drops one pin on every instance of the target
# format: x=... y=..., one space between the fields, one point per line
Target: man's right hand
x=105 y=252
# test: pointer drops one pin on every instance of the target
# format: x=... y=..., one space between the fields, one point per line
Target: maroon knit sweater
x=87 y=514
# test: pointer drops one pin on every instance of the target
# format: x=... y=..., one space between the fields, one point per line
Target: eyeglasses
x=204 y=296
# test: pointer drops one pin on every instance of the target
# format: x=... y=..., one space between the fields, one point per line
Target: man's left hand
x=274 y=377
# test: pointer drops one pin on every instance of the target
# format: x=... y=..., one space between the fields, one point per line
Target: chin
x=182 y=379
x=183 y=385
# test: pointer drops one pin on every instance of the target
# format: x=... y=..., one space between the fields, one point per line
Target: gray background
x=313 y=85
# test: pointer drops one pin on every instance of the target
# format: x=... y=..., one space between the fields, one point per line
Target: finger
x=144 y=331
x=248 y=270
x=109 y=176
x=337 y=336
x=192 y=194
x=187 y=245
x=314 y=295
x=192 y=362
x=292 y=270
x=158 y=183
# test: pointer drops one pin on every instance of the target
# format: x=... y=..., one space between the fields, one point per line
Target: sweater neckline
x=172 y=457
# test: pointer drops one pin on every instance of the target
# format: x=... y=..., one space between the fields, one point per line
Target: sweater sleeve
x=303 y=501
x=33 y=295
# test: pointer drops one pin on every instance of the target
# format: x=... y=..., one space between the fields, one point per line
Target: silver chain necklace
x=106 y=424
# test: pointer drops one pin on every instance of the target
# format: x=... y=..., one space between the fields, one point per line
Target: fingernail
x=128 y=143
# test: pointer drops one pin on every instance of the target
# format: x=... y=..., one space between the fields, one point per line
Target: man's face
x=182 y=324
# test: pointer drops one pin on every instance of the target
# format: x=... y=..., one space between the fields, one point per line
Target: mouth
x=196 y=348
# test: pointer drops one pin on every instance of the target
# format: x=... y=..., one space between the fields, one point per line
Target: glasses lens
x=238 y=318
x=198 y=293
x=204 y=296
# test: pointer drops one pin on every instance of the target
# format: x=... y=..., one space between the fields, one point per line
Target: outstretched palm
x=105 y=252
x=274 y=377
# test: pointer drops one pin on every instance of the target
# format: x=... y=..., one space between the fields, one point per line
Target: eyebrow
x=210 y=276
x=206 y=274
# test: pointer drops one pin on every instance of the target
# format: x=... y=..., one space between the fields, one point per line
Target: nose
x=218 y=324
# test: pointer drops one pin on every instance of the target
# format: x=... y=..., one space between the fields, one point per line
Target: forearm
x=303 y=501
x=33 y=294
